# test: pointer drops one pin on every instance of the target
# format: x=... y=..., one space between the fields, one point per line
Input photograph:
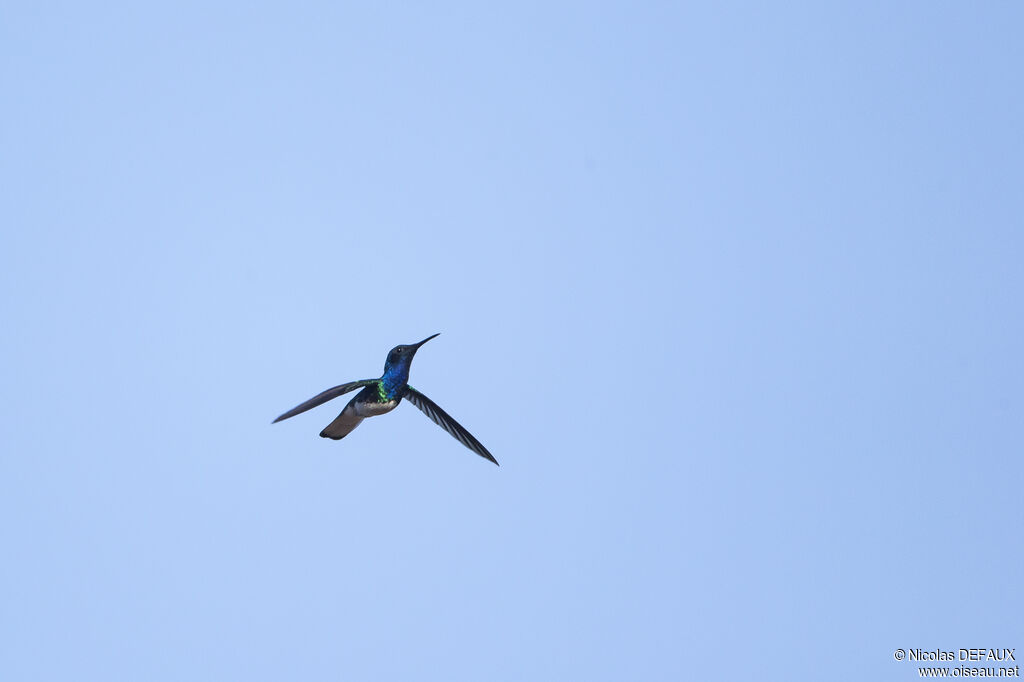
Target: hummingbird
x=380 y=396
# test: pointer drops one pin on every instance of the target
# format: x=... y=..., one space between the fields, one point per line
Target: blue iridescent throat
x=394 y=380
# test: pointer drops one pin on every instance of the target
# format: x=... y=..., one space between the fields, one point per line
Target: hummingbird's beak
x=417 y=345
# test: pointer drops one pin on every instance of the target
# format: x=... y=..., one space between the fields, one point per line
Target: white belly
x=374 y=409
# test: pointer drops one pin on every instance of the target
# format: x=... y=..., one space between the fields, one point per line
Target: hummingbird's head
x=400 y=357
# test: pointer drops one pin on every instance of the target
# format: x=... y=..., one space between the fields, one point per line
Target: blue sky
x=732 y=291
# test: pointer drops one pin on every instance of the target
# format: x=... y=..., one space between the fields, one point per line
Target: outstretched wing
x=329 y=394
x=444 y=420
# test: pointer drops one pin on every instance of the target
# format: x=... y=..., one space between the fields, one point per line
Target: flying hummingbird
x=380 y=396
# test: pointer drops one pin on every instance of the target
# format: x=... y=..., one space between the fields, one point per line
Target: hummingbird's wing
x=329 y=394
x=444 y=420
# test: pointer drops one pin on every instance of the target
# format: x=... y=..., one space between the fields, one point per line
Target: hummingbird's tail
x=343 y=424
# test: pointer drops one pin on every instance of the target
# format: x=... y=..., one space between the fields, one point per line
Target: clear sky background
x=732 y=291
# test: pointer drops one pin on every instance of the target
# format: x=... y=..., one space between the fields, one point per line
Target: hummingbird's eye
x=399 y=350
